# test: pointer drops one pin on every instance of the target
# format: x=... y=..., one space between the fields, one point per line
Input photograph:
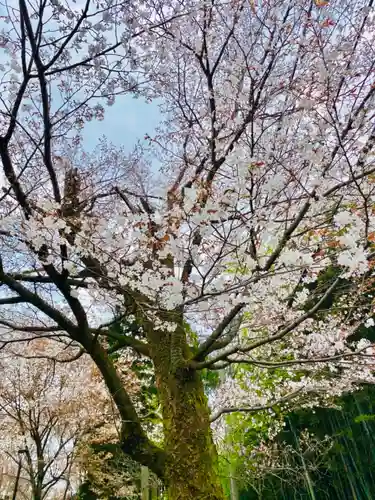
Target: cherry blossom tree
x=266 y=182
x=44 y=413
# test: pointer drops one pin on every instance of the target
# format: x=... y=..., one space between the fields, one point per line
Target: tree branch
x=272 y=338
x=70 y=36
x=11 y=300
x=326 y=359
x=134 y=441
x=30 y=329
x=125 y=341
x=204 y=349
x=45 y=102
x=225 y=411
x=46 y=279
x=28 y=296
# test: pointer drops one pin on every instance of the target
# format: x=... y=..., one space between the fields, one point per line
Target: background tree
x=43 y=414
x=48 y=409
x=266 y=171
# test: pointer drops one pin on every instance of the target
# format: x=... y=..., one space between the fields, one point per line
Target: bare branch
x=307 y=361
x=11 y=300
x=31 y=329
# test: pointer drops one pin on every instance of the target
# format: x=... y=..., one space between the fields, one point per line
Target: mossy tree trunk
x=191 y=470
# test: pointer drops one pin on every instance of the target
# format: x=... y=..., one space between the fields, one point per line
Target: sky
x=125 y=122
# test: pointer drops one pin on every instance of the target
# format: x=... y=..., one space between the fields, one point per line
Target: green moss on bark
x=191 y=465
x=191 y=468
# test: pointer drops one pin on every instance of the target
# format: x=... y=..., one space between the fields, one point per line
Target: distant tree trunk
x=144 y=483
x=233 y=485
x=16 y=483
x=154 y=493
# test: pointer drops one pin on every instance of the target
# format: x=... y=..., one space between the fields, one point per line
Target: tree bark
x=15 y=489
x=233 y=485
x=191 y=470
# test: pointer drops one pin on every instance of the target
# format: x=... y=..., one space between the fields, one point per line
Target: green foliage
x=211 y=379
x=348 y=470
x=85 y=492
x=364 y=418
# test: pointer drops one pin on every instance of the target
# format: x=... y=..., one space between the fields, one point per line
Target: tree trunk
x=191 y=468
x=15 y=489
x=233 y=485
x=144 y=483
